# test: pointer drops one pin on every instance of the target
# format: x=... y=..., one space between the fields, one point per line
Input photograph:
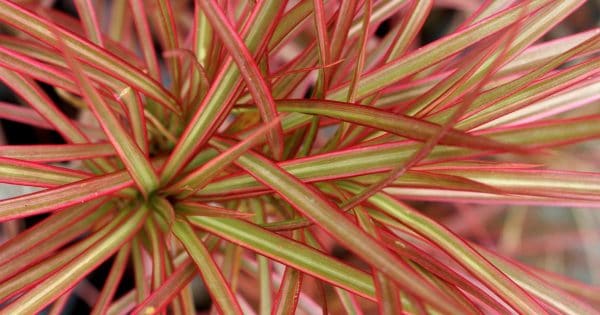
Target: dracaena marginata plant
x=246 y=143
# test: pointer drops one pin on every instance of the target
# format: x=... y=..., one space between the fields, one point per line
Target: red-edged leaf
x=168 y=30
x=23 y=115
x=323 y=47
x=289 y=291
x=160 y=298
x=289 y=252
x=87 y=14
x=401 y=125
x=56 y=152
x=419 y=11
x=548 y=183
x=213 y=279
x=112 y=281
x=38 y=175
x=58 y=198
x=190 y=208
x=143 y=29
x=360 y=62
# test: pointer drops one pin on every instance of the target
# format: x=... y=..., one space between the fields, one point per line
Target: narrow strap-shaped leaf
x=269 y=18
x=249 y=70
x=349 y=302
x=60 y=197
x=68 y=276
x=156 y=250
x=168 y=29
x=195 y=83
x=231 y=268
x=142 y=285
x=537 y=24
x=135 y=114
x=409 y=179
x=120 y=22
x=20 y=172
x=311 y=204
x=112 y=281
x=40 y=28
x=521 y=274
x=472 y=74
x=538 y=54
x=213 y=279
x=159 y=299
x=281 y=88
x=264 y=269
x=24 y=115
x=289 y=291
x=203 y=37
x=87 y=14
x=290 y=286
x=123 y=305
x=290 y=20
x=420 y=251
x=506 y=96
x=138 y=12
x=320 y=22
x=426 y=194
x=411 y=25
x=387 y=293
x=288 y=252
x=135 y=161
x=45 y=64
x=404 y=126
x=190 y=208
x=342 y=26
x=59 y=305
x=56 y=152
x=551 y=183
x=362 y=51
x=549 y=133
